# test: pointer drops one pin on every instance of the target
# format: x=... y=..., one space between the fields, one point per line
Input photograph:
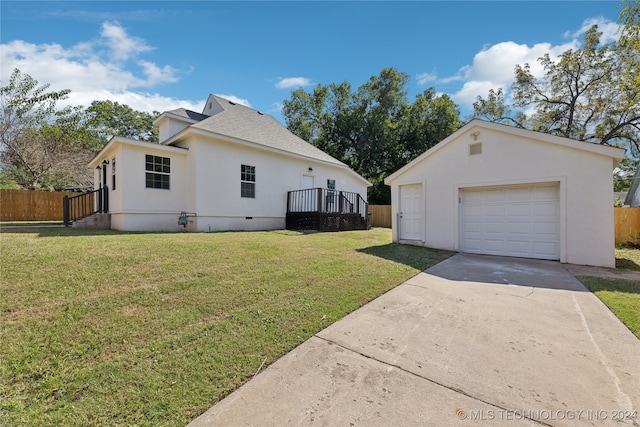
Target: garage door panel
x=519 y=209
x=494 y=246
x=493 y=211
x=473 y=244
x=518 y=226
x=543 y=250
x=549 y=209
x=473 y=211
x=519 y=194
x=518 y=221
x=546 y=192
x=546 y=228
x=493 y=227
x=521 y=247
x=493 y=196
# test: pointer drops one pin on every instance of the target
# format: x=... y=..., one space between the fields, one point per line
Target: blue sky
x=160 y=55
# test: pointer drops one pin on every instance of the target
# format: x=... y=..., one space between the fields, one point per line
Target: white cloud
x=608 y=28
x=425 y=78
x=233 y=98
x=121 y=45
x=494 y=66
x=290 y=82
x=109 y=67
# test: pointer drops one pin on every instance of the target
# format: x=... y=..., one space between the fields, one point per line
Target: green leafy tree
x=624 y=173
x=495 y=109
x=43 y=147
x=630 y=37
x=375 y=129
x=27 y=151
x=107 y=119
x=588 y=94
x=585 y=95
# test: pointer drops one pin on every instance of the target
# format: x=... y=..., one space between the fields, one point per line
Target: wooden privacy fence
x=627 y=225
x=380 y=215
x=26 y=205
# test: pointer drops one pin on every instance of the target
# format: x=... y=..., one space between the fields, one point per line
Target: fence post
x=319 y=206
x=65 y=211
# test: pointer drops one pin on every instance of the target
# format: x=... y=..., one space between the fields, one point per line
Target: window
x=158 y=171
x=113 y=173
x=248 y=181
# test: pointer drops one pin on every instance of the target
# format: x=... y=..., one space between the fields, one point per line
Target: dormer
x=171 y=122
x=212 y=107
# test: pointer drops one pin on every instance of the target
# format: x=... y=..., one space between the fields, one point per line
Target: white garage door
x=520 y=221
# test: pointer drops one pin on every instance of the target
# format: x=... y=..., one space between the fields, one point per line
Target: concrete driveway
x=474 y=339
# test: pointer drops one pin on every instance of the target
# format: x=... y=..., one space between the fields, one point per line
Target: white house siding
x=516 y=158
x=147 y=209
x=216 y=191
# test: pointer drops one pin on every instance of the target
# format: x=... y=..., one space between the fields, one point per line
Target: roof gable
x=476 y=125
x=230 y=120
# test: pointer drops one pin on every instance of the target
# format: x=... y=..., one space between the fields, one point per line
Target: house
x=500 y=190
x=228 y=168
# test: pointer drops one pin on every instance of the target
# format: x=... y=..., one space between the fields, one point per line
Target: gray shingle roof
x=182 y=112
x=240 y=122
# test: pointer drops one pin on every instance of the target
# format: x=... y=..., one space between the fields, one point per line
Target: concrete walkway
x=473 y=340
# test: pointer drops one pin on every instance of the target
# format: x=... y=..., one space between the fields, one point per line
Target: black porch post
x=105 y=187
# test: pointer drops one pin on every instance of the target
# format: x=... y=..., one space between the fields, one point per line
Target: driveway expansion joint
x=439 y=384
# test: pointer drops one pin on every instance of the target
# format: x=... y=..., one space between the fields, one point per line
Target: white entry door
x=308 y=199
x=518 y=220
x=410 y=213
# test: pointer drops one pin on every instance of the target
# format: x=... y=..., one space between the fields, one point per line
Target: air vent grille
x=475 y=148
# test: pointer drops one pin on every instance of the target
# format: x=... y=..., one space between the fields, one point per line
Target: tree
x=49 y=148
x=585 y=95
x=28 y=153
x=107 y=118
x=588 y=94
x=624 y=174
x=629 y=45
x=494 y=109
x=375 y=129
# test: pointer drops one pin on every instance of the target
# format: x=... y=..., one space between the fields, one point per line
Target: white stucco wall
x=214 y=181
x=132 y=206
x=170 y=125
x=585 y=179
x=205 y=181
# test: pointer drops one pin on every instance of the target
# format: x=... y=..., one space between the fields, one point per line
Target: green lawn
x=628 y=258
x=121 y=329
x=621 y=296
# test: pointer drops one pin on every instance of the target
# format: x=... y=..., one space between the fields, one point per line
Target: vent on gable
x=475 y=148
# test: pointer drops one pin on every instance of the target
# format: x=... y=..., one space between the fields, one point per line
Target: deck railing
x=322 y=200
x=84 y=205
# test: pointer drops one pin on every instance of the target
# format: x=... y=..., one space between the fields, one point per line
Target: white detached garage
x=499 y=190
